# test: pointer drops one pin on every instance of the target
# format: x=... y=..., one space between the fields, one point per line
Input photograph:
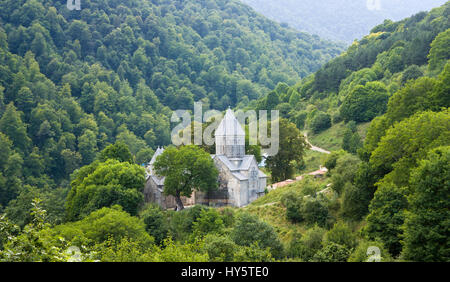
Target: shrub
x=332 y=252
x=220 y=248
x=315 y=211
x=320 y=122
x=249 y=229
x=363 y=253
x=293 y=204
x=341 y=234
x=305 y=247
x=155 y=223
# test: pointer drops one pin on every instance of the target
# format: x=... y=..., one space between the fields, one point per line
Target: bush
x=320 y=122
x=220 y=248
x=253 y=253
x=249 y=230
x=209 y=221
x=155 y=223
x=306 y=246
x=362 y=253
x=181 y=223
x=315 y=211
x=341 y=234
x=332 y=252
x=293 y=204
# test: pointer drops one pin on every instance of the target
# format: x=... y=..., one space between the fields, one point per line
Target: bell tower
x=230 y=137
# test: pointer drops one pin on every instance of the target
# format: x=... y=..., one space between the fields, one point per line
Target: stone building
x=240 y=179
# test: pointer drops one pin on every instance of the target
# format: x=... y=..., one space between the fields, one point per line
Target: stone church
x=240 y=179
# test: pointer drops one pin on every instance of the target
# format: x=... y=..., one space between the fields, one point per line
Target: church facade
x=240 y=179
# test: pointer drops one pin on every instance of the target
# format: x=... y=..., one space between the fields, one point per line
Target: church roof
x=229 y=126
x=244 y=163
x=158 y=152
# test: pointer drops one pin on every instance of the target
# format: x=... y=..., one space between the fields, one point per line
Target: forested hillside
x=357 y=85
x=343 y=20
x=72 y=82
x=86 y=96
x=386 y=100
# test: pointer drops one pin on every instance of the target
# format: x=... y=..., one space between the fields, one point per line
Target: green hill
x=343 y=20
x=72 y=82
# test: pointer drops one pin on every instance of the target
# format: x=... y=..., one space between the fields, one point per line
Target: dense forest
x=343 y=20
x=86 y=96
x=72 y=82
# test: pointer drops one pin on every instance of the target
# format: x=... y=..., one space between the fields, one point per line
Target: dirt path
x=315 y=148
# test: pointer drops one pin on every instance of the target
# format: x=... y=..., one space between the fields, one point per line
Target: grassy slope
x=270 y=209
x=331 y=139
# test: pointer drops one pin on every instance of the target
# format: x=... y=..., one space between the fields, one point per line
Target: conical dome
x=229 y=126
x=230 y=137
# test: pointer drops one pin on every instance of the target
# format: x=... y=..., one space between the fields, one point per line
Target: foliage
x=344 y=171
x=155 y=222
x=365 y=102
x=423 y=131
x=186 y=169
x=439 y=53
x=209 y=222
x=362 y=252
x=426 y=227
x=292 y=146
x=28 y=245
x=220 y=248
x=103 y=225
x=332 y=252
x=341 y=234
x=386 y=217
x=119 y=151
x=319 y=122
x=103 y=185
x=306 y=246
x=249 y=230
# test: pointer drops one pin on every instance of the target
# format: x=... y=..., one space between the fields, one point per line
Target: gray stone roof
x=244 y=163
x=240 y=176
x=158 y=152
x=229 y=126
x=158 y=180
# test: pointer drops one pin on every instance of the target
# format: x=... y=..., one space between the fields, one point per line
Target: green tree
x=407 y=142
x=341 y=234
x=306 y=246
x=186 y=169
x=87 y=146
x=103 y=185
x=292 y=146
x=118 y=151
x=365 y=102
x=332 y=252
x=220 y=248
x=103 y=225
x=28 y=245
x=320 y=122
x=439 y=53
x=155 y=223
x=209 y=221
x=386 y=217
x=426 y=229
x=12 y=125
x=249 y=229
